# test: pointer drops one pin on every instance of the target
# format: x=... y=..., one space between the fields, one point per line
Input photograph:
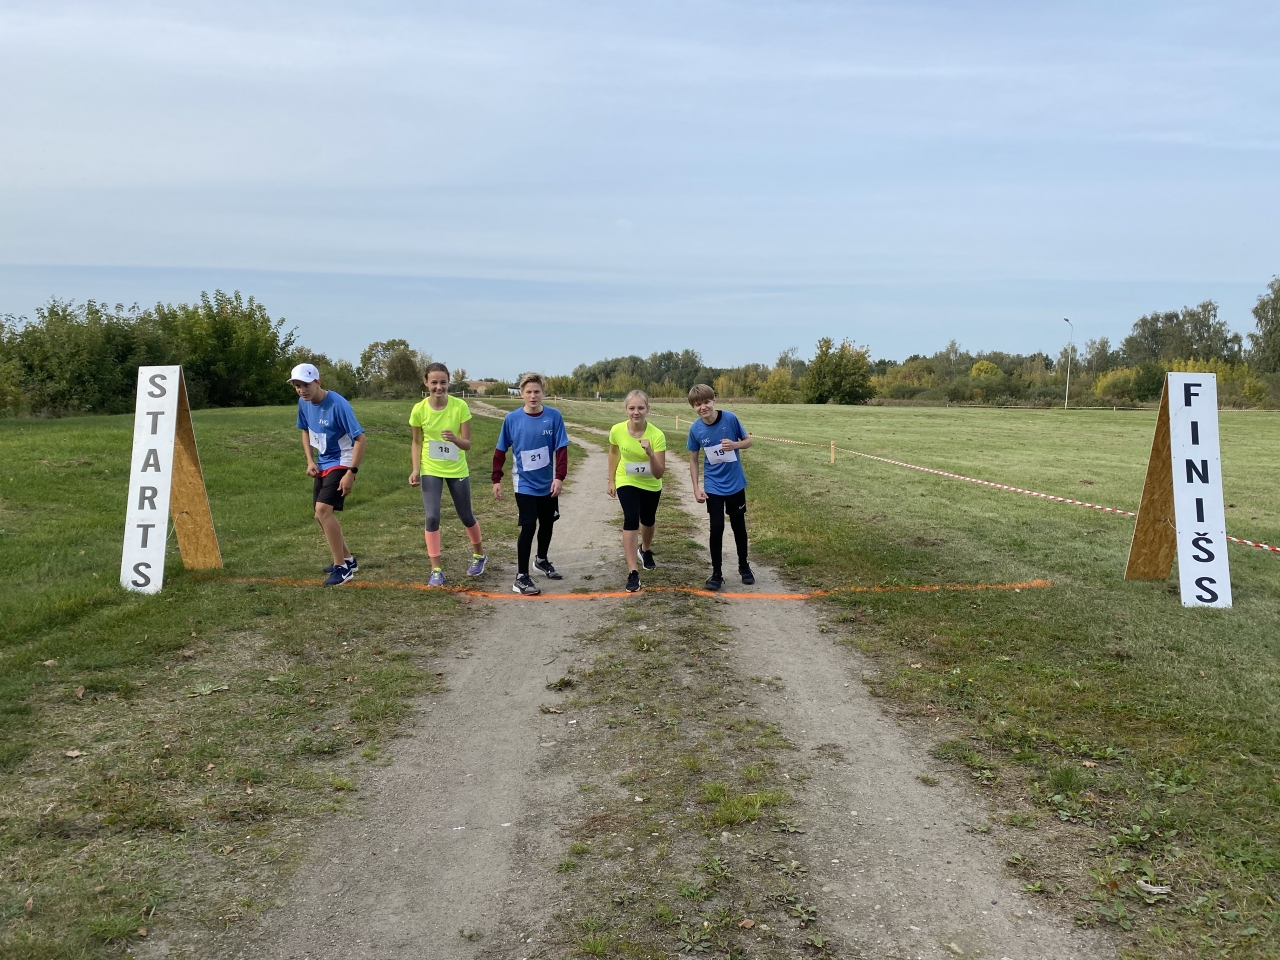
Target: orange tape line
x=491 y=595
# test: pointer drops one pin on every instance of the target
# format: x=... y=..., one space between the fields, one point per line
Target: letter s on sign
x=1202 y=583
x=162 y=391
x=145 y=581
x=1200 y=544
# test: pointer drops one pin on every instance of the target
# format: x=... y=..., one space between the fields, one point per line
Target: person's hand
x=449 y=435
x=727 y=444
x=497 y=491
x=556 y=486
x=312 y=469
x=413 y=478
x=698 y=494
x=612 y=491
x=646 y=446
x=346 y=483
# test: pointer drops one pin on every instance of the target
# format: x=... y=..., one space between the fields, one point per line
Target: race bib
x=319 y=441
x=531 y=460
x=719 y=454
x=441 y=450
x=638 y=469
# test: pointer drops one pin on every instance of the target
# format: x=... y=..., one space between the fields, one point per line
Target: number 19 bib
x=719 y=454
x=531 y=460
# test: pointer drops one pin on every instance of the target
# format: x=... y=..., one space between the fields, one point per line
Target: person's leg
x=524 y=547
x=736 y=505
x=432 y=488
x=460 y=492
x=332 y=533
x=648 y=517
x=629 y=500
x=548 y=513
x=715 y=511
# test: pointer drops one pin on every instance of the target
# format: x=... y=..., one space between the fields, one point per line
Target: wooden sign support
x=165 y=480
x=1182 y=513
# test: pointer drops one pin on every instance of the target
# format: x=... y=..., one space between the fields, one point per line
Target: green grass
x=211 y=716
x=1177 y=711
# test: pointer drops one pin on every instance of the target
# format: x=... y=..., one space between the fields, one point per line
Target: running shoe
x=548 y=571
x=715 y=581
x=353 y=565
x=646 y=558
x=524 y=585
x=633 y=581
x=437 y=578
x=747 y=576
x=340 y=575
x=477 y=564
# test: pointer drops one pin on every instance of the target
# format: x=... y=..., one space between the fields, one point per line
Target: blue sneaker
x=477 y=564
x=352 y=564
x=437 y=578
x=339 y=576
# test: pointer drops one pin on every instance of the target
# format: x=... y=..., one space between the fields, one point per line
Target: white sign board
x=1197 y=490
x=146 y=523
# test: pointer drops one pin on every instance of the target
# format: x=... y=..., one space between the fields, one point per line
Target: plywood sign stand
x=1181 y=513
x=165 y=480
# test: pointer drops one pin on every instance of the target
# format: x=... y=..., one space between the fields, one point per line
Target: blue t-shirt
x=533 y=442
x=723 y=474
x=333 y=427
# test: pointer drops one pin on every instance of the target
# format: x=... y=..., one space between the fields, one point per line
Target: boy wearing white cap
x=329 y=425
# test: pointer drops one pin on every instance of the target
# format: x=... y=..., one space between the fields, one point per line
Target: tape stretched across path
x=693 y=591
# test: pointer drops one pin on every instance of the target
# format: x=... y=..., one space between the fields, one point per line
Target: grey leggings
x=459 y=490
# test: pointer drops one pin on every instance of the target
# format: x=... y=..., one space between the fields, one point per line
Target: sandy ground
x=461 y=832
x=899 y=871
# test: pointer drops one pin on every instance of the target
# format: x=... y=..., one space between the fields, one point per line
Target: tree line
x=83 y=359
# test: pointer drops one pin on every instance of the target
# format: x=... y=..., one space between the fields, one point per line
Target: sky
x=536 y=185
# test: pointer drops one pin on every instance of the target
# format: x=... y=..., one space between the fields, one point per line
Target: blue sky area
x=512 y=185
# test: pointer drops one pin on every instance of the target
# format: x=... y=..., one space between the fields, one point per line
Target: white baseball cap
x=306 y=372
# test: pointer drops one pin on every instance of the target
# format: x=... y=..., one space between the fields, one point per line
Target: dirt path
x=460 y=832
x=902 y=874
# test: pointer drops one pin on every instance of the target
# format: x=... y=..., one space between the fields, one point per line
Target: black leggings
x=536 y=513
x=736 y=506
x=639 y=506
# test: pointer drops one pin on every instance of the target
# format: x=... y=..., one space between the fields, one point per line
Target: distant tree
x=1265 y=353
x=374 y=357
x=403 y=370
x=1099 y=357
x=1194 y=333
x=841 y=374
x=984 y=370
x=777 y=388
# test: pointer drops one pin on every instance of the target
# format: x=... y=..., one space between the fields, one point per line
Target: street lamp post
x=1070 y=350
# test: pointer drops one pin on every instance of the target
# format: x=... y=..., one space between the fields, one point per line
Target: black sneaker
x=340 y=575
x=353 y=566
x=633 y=581
x=747 y=576
x=524 y=585
x=646 y=559
x=548 y=571
x=715 y=581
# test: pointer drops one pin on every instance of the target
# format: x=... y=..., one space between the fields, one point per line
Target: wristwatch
x=354 y=469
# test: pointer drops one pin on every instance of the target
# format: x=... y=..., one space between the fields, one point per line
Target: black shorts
x=325 y=489
x=639 y=507
x=535 y=509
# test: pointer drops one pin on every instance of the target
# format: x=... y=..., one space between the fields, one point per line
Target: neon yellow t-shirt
x=441 y=459
x=633 y=464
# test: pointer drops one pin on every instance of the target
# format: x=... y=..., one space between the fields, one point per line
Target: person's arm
x=614 y=456
x=357 y=454
x=461 y=439
x=499 y=461
x=415 y=454
x=698 y=495
x=312 y=469
x=562 y=470
x=658 y=463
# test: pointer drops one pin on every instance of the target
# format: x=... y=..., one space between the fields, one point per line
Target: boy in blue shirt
x=539 y=447
x=720 y=435
x=329 y=425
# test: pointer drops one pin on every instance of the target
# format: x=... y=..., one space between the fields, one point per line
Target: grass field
x=210 y=720
x=1110 y=726
x=1139 y=736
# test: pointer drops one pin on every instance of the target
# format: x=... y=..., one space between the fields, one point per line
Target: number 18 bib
x=441 y=450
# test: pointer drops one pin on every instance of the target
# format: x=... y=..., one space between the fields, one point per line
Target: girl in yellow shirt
x=637 y=461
